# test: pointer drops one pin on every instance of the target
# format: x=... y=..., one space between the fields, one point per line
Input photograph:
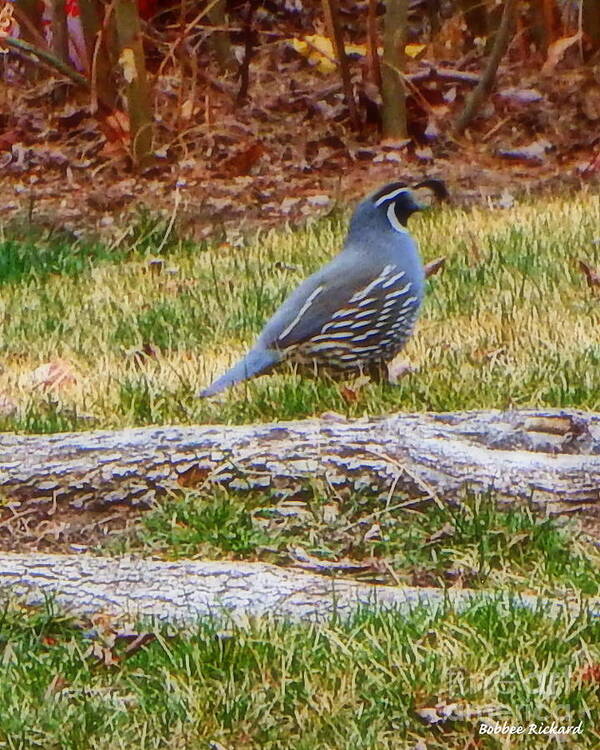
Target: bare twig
x=46 y=57
x=60 y=34
x=139 y=107
x=248 y=49
x=374 y=67
x=483 y=88
x=334 y=30
x=393 y=92
x=220 y=36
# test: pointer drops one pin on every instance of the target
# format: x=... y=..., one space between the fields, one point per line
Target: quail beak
x=437 y=187
x=418 y=206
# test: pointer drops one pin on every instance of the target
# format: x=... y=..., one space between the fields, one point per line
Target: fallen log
x=184 y=591
x=550 y=458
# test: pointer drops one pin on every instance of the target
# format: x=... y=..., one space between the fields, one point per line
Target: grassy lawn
x=368 y=683
x=509 y=322
x=147 y=320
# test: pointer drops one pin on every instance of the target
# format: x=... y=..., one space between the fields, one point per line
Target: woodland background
x=248 y=111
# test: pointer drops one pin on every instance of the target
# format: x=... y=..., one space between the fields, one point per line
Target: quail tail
x=256 y=362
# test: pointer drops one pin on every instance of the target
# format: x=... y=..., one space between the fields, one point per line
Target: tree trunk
x=29 y=15
x=131 y=57
x=475 y=15
x=181 y=592
x=548 y=457
x=591 y=21
x=219 y=40
x=334 y=29
x=393 y=93
x=373 y=44
x=94 y=25
x=60 y=33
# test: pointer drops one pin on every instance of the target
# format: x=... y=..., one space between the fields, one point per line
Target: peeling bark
x=550 y=458
x=182 y=592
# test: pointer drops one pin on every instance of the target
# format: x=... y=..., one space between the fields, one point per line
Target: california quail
x=359 y=309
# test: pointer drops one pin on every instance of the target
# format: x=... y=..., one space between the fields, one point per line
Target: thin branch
x=393 y=92
x=47 y=57
x=248 y=50
x=372 y=39
x=483 y=88
x=60 y=33
x=332 y=23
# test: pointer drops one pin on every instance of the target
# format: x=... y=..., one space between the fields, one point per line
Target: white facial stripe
x=303 y=309
x=390 y=196
x=393 y=219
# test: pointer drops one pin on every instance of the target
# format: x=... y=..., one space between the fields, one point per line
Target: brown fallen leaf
x=373 y=533
x=57 y=684
x=241 y=163
x=520 y=96
x=592 y=275
x=534 y=153
x=8 y=407
x=54 y=375
x=444 y=712
x=554 y=425
x=301 y=559
x=351 y=391
x=557 y=50
x=332 y=416
x=434 y=266
x=446 y=532
x=590 y=104
x=590 y=674
x=8 y=139
x=399 y=368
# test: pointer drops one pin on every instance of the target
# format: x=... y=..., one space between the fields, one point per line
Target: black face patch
x=401 y=214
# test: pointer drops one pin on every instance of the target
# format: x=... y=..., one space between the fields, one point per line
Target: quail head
x=357 y=311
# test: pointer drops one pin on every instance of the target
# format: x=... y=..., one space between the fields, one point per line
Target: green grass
x=264 y=685
x=509 y=322
x=476 y=544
